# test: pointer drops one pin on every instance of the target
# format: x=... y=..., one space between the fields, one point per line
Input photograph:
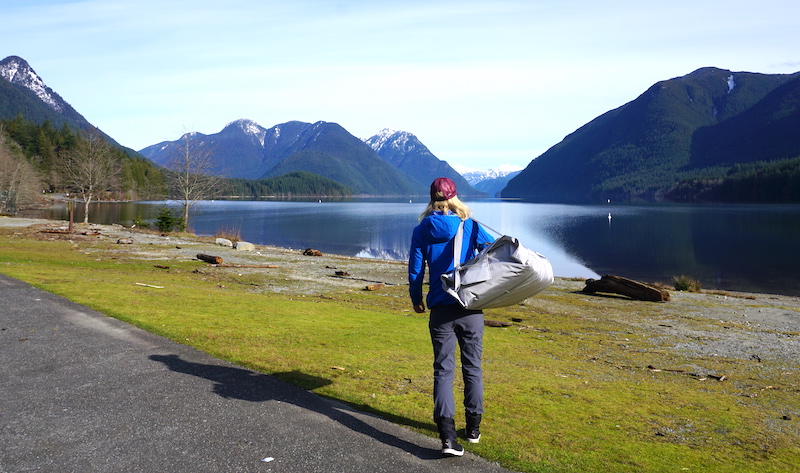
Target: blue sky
x=481 y=83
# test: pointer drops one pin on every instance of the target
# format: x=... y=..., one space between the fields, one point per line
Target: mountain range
x=389 y=163
x=490 y=181
x=244 y=149
x=710 y=135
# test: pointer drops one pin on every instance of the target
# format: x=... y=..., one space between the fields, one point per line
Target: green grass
x=568 y=388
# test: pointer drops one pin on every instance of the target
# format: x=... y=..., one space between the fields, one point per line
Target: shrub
x=685 y=283
x=230 y=233
x=167 y=221
x=139 y=222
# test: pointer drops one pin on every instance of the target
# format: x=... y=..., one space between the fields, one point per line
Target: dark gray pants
x=451 y=324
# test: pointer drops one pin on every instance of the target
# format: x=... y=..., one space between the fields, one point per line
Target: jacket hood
x=438 y=228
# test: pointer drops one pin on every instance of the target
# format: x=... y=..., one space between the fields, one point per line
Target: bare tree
x=20 y=184
x=89 y=169
x=193 y=178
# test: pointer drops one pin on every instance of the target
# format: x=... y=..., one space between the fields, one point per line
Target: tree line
x=757 y=182
x=293 y=184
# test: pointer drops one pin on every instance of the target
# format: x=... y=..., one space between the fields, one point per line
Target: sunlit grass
x=568 y=388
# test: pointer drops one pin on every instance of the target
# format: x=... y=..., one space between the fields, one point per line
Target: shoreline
x=152 y=237
x=7 y=221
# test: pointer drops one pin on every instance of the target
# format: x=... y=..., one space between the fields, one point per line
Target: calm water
x=735 y=247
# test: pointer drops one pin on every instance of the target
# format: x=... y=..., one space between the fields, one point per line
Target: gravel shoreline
x=746 y=326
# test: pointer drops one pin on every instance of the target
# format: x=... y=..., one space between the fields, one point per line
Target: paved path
x=82 y=392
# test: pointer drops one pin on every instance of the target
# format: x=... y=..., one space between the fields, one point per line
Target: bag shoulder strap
x=459 y=238
x=488 y=227
x=457 y=245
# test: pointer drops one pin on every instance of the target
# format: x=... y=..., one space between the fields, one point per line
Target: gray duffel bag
x=502 y=274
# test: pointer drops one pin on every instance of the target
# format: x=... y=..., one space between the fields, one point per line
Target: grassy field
x=575 y=383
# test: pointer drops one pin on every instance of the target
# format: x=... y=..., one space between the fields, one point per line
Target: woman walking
x=450 y=323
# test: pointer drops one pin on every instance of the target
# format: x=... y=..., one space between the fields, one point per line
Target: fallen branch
x=362 y=279
x=149 y=285
x=699 y=377
x=233 y=265
x=653 y=368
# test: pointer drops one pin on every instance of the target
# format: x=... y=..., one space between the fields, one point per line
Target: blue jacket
x=432 y=245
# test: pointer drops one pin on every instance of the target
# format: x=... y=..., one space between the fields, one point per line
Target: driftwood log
x=627 y=287
x=209 y=259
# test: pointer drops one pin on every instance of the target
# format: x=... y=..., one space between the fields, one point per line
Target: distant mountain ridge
x=692 y=128
x=490 y=181
x=244 y=149
x=476 y=176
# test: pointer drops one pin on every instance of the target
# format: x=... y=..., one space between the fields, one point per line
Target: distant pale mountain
x=712 y=135
x=476 y=176
x=490 y=181
x=404 y=151
x=244 y=149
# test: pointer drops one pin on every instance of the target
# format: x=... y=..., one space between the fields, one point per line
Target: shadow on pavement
x=246 y=385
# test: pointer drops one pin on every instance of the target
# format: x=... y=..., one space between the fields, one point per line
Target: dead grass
x=233 y=234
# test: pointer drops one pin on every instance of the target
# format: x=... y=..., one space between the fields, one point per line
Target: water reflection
x=750 y=248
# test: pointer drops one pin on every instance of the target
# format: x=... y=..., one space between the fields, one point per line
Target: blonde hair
x=453 y=205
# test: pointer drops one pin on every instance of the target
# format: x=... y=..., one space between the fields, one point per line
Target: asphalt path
x=83 y=392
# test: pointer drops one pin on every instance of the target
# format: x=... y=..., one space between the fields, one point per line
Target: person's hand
x=420 y=309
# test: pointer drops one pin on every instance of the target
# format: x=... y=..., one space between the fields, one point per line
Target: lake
x=730 y=247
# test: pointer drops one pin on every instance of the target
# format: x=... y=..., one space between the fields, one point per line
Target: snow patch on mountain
x=389 y=137
x=17 y=71
x=251 y=128
x=475 y=176
x=731 y=84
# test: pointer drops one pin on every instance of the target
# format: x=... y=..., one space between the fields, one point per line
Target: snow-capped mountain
x=475 y=176
x=406 y=152
x=22 y=91
x=490 y=181
x=17 y=71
